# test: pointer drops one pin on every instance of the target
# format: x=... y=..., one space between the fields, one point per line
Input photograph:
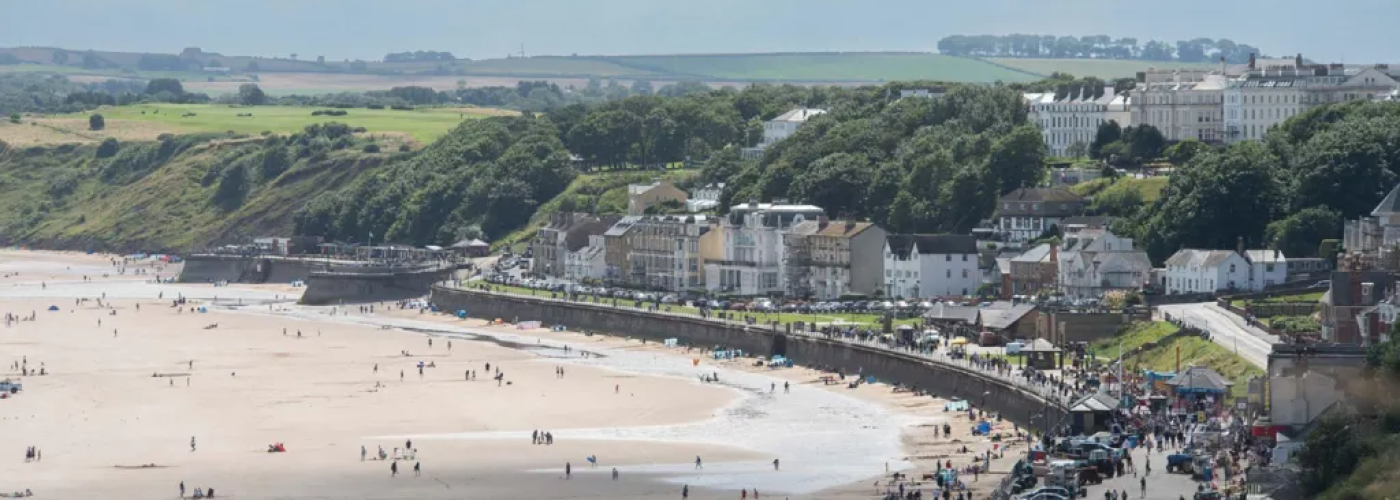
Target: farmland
x=1102 y=68
x=848 y=67
x=423 y=125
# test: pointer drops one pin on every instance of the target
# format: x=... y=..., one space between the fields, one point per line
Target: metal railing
x=1015 y=377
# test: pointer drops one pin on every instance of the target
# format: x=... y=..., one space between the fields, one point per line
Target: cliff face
x=177 y=194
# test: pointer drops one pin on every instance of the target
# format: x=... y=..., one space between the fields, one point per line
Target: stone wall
x=1085 y=327
x=210 y=268
x=325 y=287
x=942 y=379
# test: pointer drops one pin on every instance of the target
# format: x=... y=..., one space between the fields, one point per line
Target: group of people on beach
x=539 y=437
x=198 y=492
x=33 y=454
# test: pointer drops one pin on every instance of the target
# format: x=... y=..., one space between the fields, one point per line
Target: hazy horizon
x=478 y=29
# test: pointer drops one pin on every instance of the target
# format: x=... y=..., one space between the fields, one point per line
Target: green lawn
x=1137 y=334
x=1102 y=68
x=869 y=320
x=858 y=66
x=1310 y=298
x=1193 y=350
x=424 y=124
x=1150 y=188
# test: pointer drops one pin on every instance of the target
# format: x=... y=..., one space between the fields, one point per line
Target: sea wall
x=940 y=378
x=209 y=268
x=369 y=285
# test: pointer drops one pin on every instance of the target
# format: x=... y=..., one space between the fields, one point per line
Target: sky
x=1351 y=31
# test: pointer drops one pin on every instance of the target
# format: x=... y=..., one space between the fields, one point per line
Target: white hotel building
x=1067 y=120
x=1264 y=97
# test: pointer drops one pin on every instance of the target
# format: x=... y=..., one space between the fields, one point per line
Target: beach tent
x=53 y=308
x=462 y=313
x=984 y=428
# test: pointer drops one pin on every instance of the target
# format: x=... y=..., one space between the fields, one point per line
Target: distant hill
x=194 y=64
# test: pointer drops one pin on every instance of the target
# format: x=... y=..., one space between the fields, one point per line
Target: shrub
x=375 y=106
x=96 y=122
x=108 y=148
x=401 y=107
x=371 y=148
x=329 y=112
x=404 y=148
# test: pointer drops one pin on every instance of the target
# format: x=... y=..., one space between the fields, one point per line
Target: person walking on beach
x=685 y=491
x=787 y=388
x=568 y=470
x=400 y=375
x=698 y=463
x=535 y=437
x=1144 y=487
x=614 y=473
x=744 y=494
x=417 y=469
x=394 y=469
x=775 y=464
x=191 y=443
x=376 y=368
x=182 y=489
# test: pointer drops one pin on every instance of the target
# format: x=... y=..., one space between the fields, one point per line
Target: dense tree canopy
x=1290 y=190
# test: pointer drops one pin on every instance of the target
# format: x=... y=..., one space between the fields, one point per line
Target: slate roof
x=931 y=244
x=945 y=312
x=1200 y=378
x=1097 y=402
x=1001 y=319
x=1042 y=195
x=1199 y=258
x=1036 y=254
x=622 y=226
x=836 y=228
x=1390 y=205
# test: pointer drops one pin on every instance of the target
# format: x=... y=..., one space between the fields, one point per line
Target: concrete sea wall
x=944 y=379
x=334 y=287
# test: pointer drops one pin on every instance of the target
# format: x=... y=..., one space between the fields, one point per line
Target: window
x=964 y=273
x=948 y=258
x=1232 y=268
x=964 y=257
x=1269 y=268
x=949 y=273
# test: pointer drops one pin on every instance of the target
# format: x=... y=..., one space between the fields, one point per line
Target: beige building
x=829 y=259
x=1182 y=104
x=657 y=252
x=566 y=232
x=641 y=197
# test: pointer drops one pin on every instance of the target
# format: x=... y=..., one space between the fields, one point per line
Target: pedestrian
x=400 y=375
x=417 y=469
x=744 y=494
x=787 y=388
x=535 y=437
x=685 y=491
x=191 y=443
x=772 y=387
x=698 y=463
x=1144 y=487
x=362 y=453
x=568 y=470
x=775 y=464
x=394 y=468
x=182 y=489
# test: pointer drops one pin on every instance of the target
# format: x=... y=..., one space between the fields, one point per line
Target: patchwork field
x=147 y=121
x=854 y=67
x=1102 y=68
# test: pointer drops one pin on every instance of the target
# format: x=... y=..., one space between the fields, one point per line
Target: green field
x=553 y=66
x=424 y=125
x=1194 y=351
x=853 y=67
x=1102 y=68
x=1150 y=188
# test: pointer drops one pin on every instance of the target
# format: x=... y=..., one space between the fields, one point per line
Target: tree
x=1109 y=132
x=1217 y=198
x=251 y=95
x=1182 y=152
x=835 y=183
x=108 y=148
x=233 y=186
x=96 y=122
x=159 y=85
x=1018 y=159
x=1077 y=150
x=1144 y=142
x=1301 y=234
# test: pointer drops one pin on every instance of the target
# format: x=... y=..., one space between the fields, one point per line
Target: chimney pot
x=1251 y=60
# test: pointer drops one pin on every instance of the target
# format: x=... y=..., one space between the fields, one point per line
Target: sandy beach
x=121 y=401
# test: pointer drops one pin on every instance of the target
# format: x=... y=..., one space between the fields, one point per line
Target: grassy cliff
x=180 y=193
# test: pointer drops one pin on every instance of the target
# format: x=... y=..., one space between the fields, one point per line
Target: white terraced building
x=1066 y=120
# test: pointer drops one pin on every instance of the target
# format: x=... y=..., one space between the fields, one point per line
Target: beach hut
x=1041 y=355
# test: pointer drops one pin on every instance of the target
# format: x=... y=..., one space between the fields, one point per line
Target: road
x=1226 y=329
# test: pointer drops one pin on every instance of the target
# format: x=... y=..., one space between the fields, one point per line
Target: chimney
x=1239 y=247
x=1222 y=65
x=850 y=223
x=1298 y=60
x=1054 y=252
x=1251 y=60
